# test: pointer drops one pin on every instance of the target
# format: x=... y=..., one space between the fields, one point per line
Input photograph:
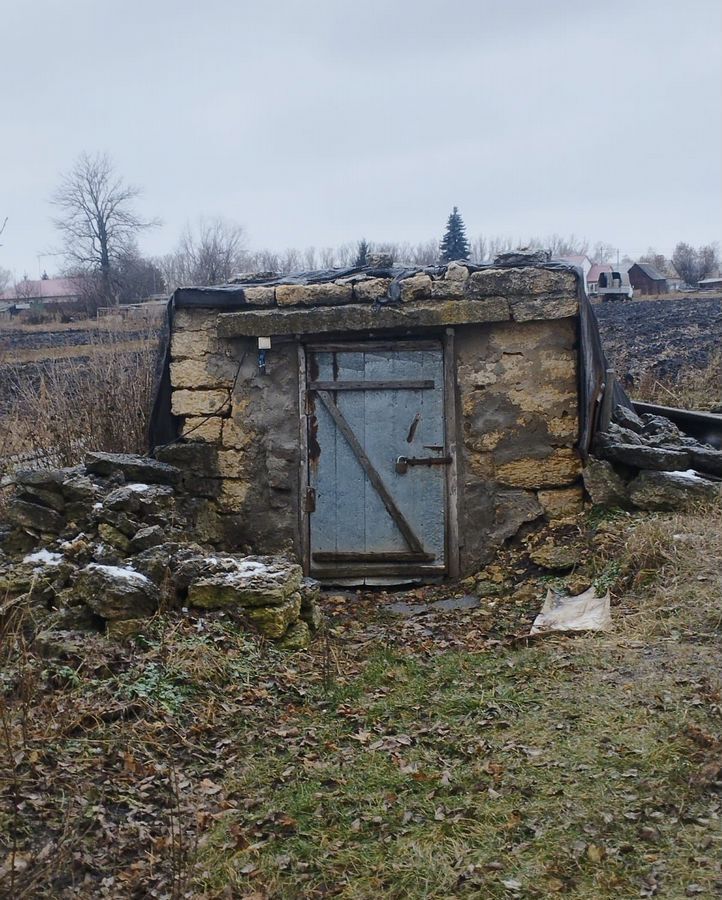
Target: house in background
x=646 y=279
x=581 y=261
x=44 y=290
x=711 y=284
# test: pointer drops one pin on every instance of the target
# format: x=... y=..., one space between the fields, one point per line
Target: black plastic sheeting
x=164 y=426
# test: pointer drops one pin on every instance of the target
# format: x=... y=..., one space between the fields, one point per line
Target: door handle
x=403 y=462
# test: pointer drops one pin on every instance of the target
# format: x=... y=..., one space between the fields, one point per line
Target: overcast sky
x=320 y=122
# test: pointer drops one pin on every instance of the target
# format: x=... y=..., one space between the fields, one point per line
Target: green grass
x=445 y=757
x=450 y=776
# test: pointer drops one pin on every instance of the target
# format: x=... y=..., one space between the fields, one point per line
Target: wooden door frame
x=451 y=518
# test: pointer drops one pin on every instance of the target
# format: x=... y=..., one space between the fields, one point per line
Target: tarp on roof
x=593 y=364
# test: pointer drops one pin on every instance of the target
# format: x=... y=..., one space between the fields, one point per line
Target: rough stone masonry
x=515 y=383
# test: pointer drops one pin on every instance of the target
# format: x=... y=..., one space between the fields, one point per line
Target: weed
x=157 y=687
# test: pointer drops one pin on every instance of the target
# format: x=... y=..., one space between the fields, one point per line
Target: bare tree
x=6 y=276
x=479 y=249
x=658 y=260
x=97 y=218
x=211 y=252
x=309 y=258
x=692 y=264
x=602 y=252
x=290 y=260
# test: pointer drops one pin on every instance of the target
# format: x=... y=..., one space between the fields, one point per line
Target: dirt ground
x=417 y=749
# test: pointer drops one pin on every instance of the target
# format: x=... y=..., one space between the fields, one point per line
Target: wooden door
x=376 y=460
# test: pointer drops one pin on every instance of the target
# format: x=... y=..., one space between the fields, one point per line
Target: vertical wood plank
x=352 y=480
x=452 y=473
x=304 y=523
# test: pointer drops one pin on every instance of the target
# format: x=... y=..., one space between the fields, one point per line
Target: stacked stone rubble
x=646 y=462
x=108 y=544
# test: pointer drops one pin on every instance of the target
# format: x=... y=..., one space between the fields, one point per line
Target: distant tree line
x=99 y=227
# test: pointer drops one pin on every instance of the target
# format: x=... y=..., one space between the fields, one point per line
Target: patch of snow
x=97 y=506
x=690 y=475
x=138 y=488
x=44 y=557
x=125 y=574
x=239 y=570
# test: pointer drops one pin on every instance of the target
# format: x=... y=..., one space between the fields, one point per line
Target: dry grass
x=692 y=389
x=94 y=397
x=670 y=577
x=200 y=763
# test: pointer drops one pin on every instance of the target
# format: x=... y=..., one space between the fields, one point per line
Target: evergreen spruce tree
x=454 y=244
x=362 y=253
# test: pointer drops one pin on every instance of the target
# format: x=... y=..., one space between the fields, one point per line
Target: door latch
x=403 y=462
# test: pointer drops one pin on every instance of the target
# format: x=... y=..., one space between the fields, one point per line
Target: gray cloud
x=318 y=123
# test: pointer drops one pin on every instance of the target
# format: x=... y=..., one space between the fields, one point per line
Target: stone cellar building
x=381 y=423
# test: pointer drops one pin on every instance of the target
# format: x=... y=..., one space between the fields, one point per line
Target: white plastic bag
x=585 y=612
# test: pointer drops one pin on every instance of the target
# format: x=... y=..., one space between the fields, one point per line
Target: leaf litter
x=440 y=754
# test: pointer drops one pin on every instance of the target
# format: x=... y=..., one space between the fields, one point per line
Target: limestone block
x=237 y=434
x=313 y=294
x=195 y=320
x=199 y=403
x=116 y=592
x=447 y=290
x=298 y=637
x=456 y=272
x=561 y=467
x=371 y=289
x=511 y=510
x=52 y=499
x=189 y=344
x=260 y=581
x=564 y=428
x=518 y=282
x=194 y=458
x=544 y=308
x=417 y=287
x=360 y=317
x=558 y=365
x=705 y=459
x=646 y=457
x=654 y=490
x=262 y=295
x=232 y=463
x=558 y=504
x=202 y=372
x=32 y=515
x=112 y=536
x=233 y=494
x=603 y=484
x=199 y=428
x=274 y=621
x=482 y=465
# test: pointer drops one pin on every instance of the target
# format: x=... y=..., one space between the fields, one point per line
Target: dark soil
x=660 y=336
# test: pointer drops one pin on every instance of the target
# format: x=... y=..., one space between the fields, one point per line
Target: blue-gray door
x=376 y=460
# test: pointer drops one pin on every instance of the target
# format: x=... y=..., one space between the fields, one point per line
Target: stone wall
x=516 y=361
x=518 y=412
x=243 y=479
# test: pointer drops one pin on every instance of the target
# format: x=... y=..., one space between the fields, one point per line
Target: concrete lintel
x=259 y=323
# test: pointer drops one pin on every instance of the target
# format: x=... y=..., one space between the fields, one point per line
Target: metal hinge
x=310 y=504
